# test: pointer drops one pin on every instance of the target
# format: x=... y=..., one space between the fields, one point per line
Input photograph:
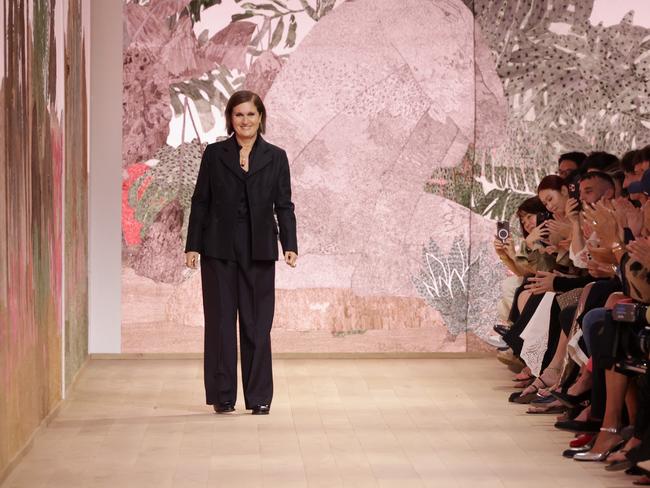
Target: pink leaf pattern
x=228 y=47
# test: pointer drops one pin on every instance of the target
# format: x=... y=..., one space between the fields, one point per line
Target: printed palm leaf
x=212 y=89
x=322 y=7
x=570 y=85
x=279 y=22
x=557 y=69
x=487 y=188
x=144 y=23
x=195 y=8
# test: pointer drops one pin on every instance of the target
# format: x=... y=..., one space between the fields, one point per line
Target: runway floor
x=364 y=422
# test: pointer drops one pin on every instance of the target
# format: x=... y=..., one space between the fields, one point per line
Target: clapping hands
x=604 y=223
x=639 y=251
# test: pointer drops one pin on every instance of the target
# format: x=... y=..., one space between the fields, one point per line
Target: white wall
x=105 y=179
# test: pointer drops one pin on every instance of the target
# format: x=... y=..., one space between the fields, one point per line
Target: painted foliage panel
x=411 y=127
x=31 y=247
x=366 y=106
x=42 y=107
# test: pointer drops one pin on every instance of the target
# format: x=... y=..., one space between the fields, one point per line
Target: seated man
x=595 y=186
x=569 y=163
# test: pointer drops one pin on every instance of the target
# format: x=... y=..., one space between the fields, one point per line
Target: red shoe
x=581 y=440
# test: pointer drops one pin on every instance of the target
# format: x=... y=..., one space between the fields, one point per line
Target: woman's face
x=528 y=221
x=554 y=200
x=246 y=120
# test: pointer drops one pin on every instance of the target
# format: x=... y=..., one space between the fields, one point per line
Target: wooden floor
x=366 y=422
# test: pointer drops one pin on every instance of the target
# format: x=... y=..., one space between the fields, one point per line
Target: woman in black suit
x=242 y=182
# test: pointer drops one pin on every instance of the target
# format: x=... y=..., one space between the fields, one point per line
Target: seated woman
x=536 y=330
x=593 y=187
x=522 y=261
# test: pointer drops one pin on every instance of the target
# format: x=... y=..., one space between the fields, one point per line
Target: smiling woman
x=554 y=193
x=242 y=182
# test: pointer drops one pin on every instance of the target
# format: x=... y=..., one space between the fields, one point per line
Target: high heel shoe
x=571 y=401
x=574 y=451
x=600 y=456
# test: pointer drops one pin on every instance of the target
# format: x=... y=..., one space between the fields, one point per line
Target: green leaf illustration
x=246 y=15
x=291 y=35
x=277 y=34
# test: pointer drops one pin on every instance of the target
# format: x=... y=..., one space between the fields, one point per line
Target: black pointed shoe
x=261 y=409
x=225 y=407
x=572 y=400
x=578 y=425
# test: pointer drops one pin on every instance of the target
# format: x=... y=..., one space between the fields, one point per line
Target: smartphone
x=503 y=230
x=625 y=312
x=574 y=192
x=543 y=217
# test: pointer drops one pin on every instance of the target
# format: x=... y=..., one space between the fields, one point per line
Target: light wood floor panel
x=334 y=422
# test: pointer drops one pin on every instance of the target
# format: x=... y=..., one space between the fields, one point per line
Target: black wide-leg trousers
x=230 y=288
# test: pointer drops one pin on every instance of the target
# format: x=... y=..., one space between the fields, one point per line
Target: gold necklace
x=243 y=159
x=244 y=152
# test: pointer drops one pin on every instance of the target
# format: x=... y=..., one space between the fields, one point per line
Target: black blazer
x=218 y=193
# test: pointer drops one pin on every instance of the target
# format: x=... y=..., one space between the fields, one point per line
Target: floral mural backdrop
x=410 y=128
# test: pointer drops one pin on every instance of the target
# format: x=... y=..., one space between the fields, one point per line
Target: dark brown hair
x=576 y=157
x=600 y=161
x=530 y=206
x=551 y=182
x=240 y=97
x=629 y=160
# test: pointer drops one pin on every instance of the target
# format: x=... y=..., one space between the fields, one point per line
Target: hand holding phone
x=503 y=231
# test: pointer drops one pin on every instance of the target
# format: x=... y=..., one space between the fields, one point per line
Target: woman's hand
x=558 y=231
x=571 y=210
x=541 y=282
x=539 y=233
x=291 y=258
x=192 y=259
x=499 y=246
x=639 y=251
x=506 y=248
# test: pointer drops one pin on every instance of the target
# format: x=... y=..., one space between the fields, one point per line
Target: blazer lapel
x=230 y=157
x=261 y=157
